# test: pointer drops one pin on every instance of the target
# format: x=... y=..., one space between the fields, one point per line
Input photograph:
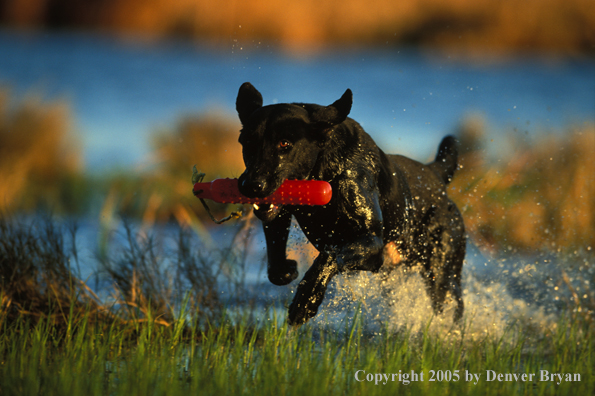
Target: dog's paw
x=283 y=274
x=310 y=292
x=302 y=311
x=305 y=304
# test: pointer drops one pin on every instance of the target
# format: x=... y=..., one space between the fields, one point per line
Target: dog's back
x=427 y=182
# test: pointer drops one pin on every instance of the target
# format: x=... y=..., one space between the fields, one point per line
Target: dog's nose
x=251 y=189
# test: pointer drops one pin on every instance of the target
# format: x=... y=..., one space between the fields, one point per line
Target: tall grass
x=149 y=280
x=155 y=281
x=37 y=275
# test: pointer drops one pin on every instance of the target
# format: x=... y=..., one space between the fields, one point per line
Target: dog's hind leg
x=445 y=276
x=310 y=292
x=436 y=290
x=455 y=281
x=457 y=247
x=457 y=293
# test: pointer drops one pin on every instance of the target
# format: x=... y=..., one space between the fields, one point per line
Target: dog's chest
x=320 y=225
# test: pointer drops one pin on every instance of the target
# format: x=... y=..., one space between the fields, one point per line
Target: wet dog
x=381 y=203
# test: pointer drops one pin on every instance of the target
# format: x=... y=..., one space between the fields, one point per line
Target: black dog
x=379 y=201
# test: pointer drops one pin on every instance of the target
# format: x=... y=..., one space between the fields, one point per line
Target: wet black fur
x=377 y=199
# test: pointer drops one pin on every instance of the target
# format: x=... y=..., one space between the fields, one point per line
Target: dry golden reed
x=564 y=26
x=540 y=197
x=38 y=152
x=162 y=189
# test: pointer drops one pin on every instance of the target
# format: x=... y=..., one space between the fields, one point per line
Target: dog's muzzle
x=258 y=189
x=253 y=188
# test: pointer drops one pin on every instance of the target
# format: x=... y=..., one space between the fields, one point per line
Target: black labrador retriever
x=380 y=203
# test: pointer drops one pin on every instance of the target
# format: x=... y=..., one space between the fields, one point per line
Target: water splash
x=499 y=293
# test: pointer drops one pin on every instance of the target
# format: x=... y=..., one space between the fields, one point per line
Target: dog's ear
x=334 y=114
x=249 y=100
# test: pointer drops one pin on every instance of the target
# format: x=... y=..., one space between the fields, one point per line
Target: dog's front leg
x=311 y=290
x=362 y=247
x=281 y=270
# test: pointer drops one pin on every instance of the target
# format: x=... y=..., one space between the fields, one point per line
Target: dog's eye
x=284 y=144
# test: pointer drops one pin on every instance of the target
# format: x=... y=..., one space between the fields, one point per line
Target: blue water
x=123 y=91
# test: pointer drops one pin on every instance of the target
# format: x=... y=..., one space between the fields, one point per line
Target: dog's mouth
x=266 y=212
x=257 y=187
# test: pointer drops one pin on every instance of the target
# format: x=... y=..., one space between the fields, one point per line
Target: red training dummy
x=291 y=192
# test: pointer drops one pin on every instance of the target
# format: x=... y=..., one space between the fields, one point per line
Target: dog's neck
x=338 y=151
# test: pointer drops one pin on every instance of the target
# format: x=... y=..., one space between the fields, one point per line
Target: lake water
x=121 y=92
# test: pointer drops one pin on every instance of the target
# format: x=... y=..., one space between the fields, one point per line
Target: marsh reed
x=493 y=26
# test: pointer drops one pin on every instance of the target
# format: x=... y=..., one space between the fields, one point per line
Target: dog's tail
x=445 y=163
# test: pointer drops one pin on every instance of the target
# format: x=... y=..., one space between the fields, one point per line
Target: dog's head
x=282 y=141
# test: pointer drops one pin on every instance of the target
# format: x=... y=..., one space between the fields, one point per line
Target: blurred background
x=106 y=105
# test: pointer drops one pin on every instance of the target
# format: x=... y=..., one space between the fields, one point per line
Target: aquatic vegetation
x=142 y=279
x=36 y=274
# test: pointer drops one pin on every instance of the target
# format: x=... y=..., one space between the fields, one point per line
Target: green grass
x=266 y=357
